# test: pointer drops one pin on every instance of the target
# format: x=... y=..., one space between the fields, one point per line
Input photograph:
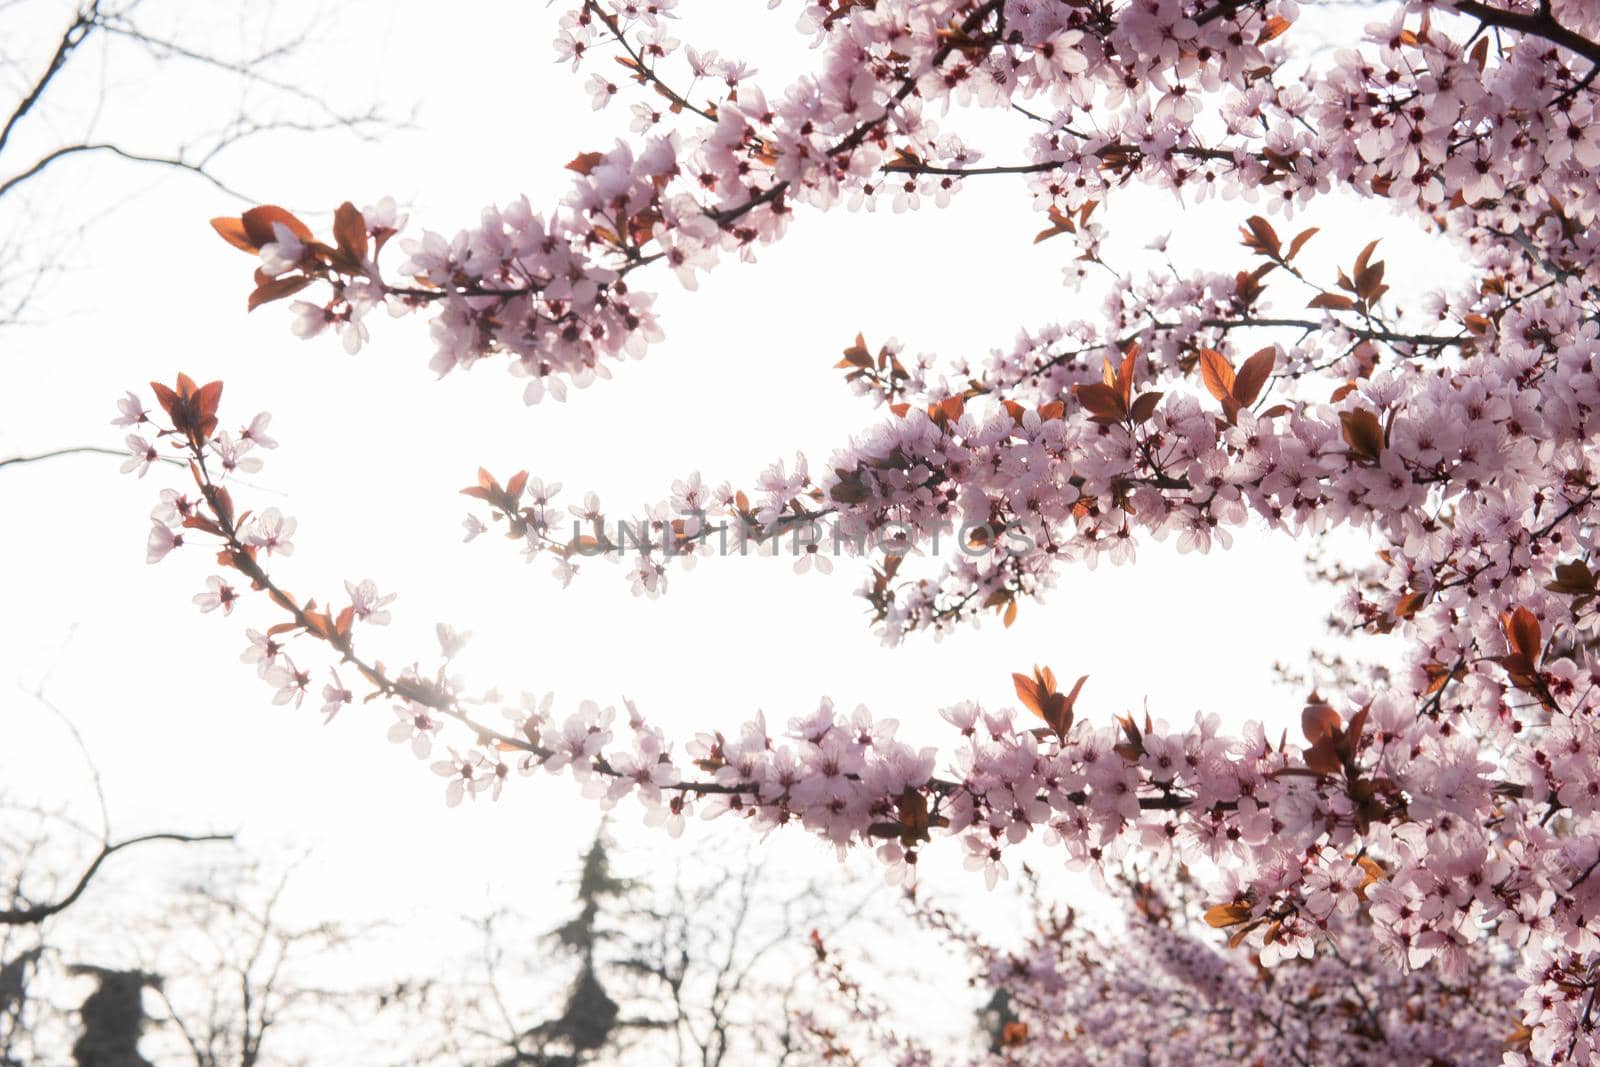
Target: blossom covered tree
x=1423 y=830
x=1155 y=992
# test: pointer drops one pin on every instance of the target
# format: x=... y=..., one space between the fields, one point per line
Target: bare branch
x=175 y=162
x=74 y=36
x=76 y=450
x=40 y=912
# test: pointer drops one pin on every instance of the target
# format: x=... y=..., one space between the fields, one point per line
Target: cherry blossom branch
x=1540 y=24
x=640 y=66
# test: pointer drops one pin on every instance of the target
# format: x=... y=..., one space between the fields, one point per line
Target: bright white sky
x=373 y=451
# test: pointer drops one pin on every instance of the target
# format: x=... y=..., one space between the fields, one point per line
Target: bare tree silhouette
x=61 y=92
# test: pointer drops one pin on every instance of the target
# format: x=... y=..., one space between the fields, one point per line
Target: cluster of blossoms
x=1425 y=826
x=1080 y=991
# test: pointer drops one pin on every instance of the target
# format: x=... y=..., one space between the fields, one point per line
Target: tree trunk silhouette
x=113 y=1018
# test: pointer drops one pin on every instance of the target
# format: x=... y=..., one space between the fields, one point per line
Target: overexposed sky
x=373 y=451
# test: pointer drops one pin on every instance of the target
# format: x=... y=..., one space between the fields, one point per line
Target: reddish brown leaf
x=1237 y=937
x=1253 y=375
x=1060 y=224
x=1331 y=301
x=1125 y=373
x=1372 y=871
x=277 y=289
x=1522 y=634
x=1318 y=722
x=857 y=355
x=1039 y=695
x=259 y=222
x=1366 y=255
x=1221 y=915
x=1144 y=406
x=1362 y=433
x=1275 y=27
x=193 y=409
x=1480 y=54
x=233 y=231
x=1299 y=242
x=1409 y=605
x=1102 y=402
x=1368 y=282
x=1259 y=236
x=200 y=522
x=849 y=490
x=1323 y=758
x=1358 y=723
x=350 y=231
x=1573 y=579
x=206 y=400
x=1217 y=373
x=165 y=397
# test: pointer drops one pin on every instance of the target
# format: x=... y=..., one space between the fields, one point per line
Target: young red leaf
x=1221 y=915
x=1275 y=27
x=1126 y=372
x=350 y=231
x=1102 y=402
x=1299 y=242
x=1253 y=375
x=1362 y=433
x=232 y=230
x=259 y=223
x=1217 y=373
x=1259 y=236
x=1366 y=254
x=276 y=289
x=1323 y=757
x=1318 y=721
x=1522 y=634
x=1409 y=605
x=1144 y=406
x=1573 y=579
